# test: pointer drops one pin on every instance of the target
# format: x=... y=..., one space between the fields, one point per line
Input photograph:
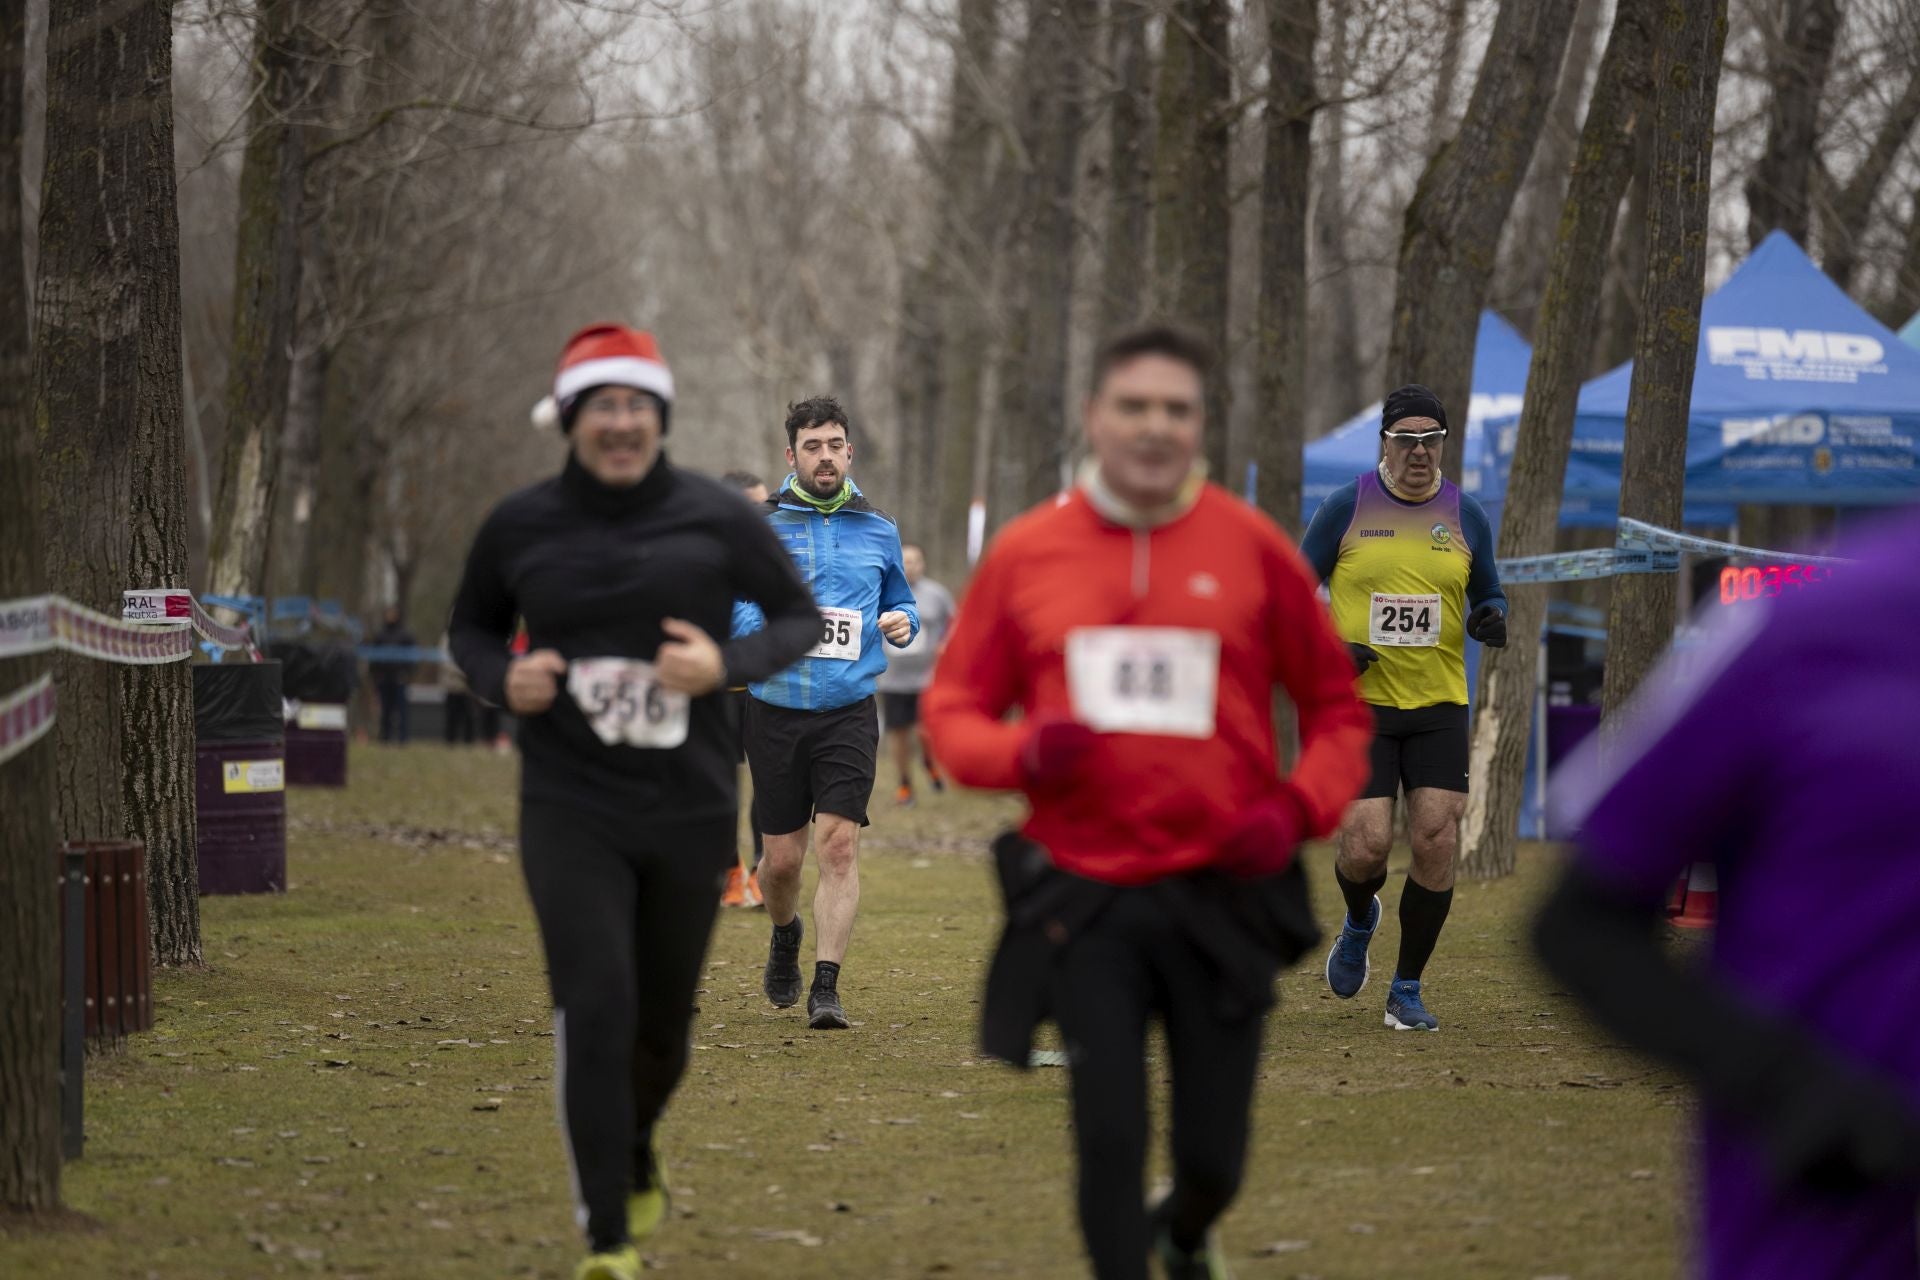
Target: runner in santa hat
x=623 y=568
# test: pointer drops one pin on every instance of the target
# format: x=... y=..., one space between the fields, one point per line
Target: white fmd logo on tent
x=1792 y=429
x=1797 y=355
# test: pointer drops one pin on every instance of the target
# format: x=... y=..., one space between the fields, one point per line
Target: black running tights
x=625 y=920
x=1131 y=965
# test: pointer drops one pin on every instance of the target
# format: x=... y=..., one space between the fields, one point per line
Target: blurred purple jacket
x=1786 y=751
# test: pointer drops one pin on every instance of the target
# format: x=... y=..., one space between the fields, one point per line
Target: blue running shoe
x=1347 y=961
x=1404 y=1010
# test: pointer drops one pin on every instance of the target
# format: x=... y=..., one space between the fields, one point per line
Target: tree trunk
x=90 y=346
x=299 y=471
x=1451 y=234
x=1686 y=77
x=1123 y=272
x=1903 y=299
x=1627 y=265
x=967 y=232
x=29 y=922
x=1446 y=78
x=916 y=399
x=1536 y=218
x=1281 y=435
x=1032 y=400
x=266 y=304
x=1192 y=207
x=157 y=744
x=1845 y=225
x=1779 y=192
x=1343 y=389
x=352 y=462
x=1602 y=166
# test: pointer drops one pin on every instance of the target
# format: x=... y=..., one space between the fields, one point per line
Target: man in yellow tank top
x=1408 y=563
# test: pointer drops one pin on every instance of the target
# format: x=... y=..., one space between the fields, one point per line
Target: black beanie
x=1412 y=401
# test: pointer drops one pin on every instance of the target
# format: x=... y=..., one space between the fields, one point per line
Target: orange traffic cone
x=1677 y=899
x=1701 y=900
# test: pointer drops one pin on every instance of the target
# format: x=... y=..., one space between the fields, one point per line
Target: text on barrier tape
x=25 y=716
x=39 y=623
x=1640 y=534
x=1578 y=566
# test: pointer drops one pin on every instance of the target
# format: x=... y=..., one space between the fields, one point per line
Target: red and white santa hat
x=604 y=355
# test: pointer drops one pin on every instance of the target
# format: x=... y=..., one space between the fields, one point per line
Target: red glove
x=1264 y=840
x=1054 y=751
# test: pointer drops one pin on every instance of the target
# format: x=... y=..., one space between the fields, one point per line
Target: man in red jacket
x=1140 y=626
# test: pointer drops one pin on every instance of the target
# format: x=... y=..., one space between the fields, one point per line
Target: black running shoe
x=823 y=1010
x=782 y=979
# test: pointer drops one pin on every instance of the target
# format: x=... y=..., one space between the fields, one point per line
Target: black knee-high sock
x=1359 y=894
x=1422 y=913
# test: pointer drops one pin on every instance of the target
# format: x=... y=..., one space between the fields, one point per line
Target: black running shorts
x=810 y=762
x=1424 y=747
x=900 y=710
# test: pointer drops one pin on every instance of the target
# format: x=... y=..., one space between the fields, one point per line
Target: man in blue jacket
x=812 y=732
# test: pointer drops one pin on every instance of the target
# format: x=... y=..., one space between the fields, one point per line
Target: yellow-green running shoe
x=1208 y=1262
x=613 y=1264
x=647 y=1209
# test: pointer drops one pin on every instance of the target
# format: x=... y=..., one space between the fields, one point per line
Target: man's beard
x=823 y=488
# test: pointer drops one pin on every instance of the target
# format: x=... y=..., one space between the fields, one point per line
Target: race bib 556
x=624 y=701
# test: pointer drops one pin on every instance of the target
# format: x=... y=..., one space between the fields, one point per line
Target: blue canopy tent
x=1910 y=334
x=1500 y=359
x=1799 y=396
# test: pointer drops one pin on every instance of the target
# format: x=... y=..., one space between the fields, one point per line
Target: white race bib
x=625 y=702
x=1162 y=680
x=1404 y=621
x=840 y=636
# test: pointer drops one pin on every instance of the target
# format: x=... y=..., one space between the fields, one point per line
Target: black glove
x=1831 y=1127
x=1822 y=1120
x=1488 y=625
x=1363 y=656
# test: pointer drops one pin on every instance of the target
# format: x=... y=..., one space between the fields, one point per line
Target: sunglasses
x=1408 y=439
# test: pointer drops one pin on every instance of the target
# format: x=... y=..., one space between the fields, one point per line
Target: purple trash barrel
x=317 y=744
x=240 y=778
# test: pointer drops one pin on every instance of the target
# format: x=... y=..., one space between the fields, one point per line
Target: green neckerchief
x=825 y=506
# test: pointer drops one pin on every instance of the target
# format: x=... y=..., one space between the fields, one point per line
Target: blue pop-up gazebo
x=1500 y=359
x=1799 y=396
x=1910 y=333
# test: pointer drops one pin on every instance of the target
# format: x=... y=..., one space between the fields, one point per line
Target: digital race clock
x=1757 y=582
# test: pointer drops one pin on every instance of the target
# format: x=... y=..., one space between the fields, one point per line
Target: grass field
x=359 y=1084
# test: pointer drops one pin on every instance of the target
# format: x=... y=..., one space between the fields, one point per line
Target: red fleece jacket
x=1145 y=806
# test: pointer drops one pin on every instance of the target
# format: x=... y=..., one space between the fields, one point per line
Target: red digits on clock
x=1752 y=583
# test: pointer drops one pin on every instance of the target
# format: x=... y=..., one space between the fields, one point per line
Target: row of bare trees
x=397 y=171
x=292 y=297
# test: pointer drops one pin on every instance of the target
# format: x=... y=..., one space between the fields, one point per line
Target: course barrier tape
x=39 y=623
x=1579 y=566
x=1640 y=547
x=400 y=653
x=1651 y=537
x=218 y=633
x=25 y=716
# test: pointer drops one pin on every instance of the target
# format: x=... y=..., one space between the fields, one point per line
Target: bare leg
x=780 y=874
x=1366 y=838
x=837 y=898
x=1433 y=821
